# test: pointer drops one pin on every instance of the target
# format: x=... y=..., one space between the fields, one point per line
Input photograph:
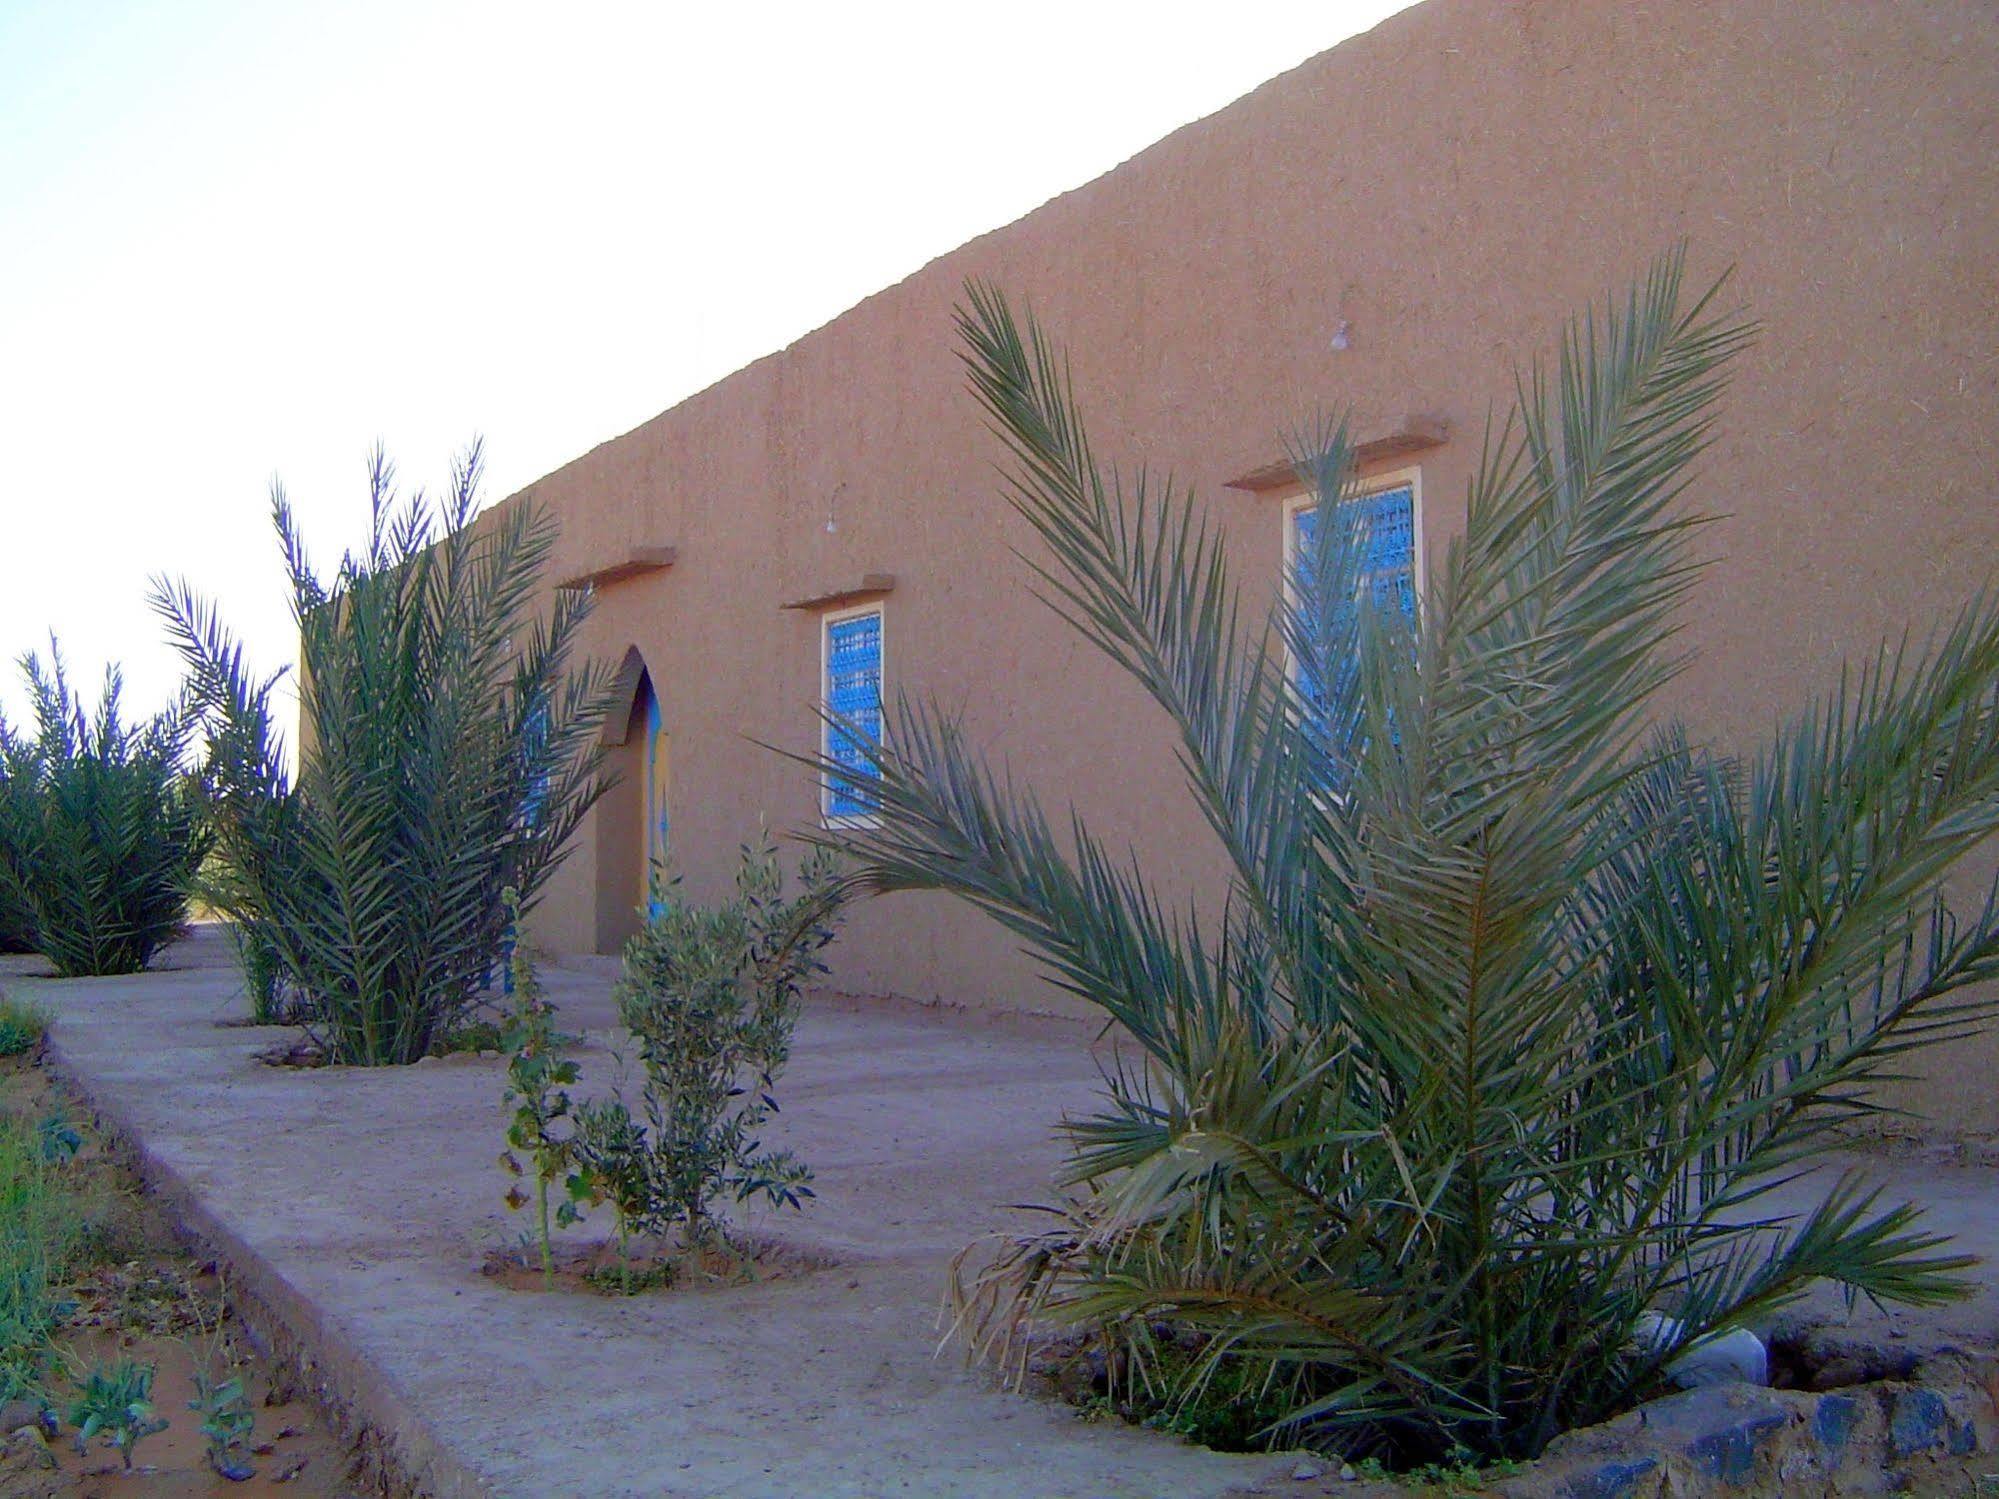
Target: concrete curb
x=396 y=1454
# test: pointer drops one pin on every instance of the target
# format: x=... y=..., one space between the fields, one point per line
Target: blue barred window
x=1389 y=573
x=853 y=692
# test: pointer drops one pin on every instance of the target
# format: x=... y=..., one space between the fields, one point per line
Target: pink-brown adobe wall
x=1450 y=185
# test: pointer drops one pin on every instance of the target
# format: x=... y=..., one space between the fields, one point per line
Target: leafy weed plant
x=228 y=1421
x=58 y=1138
x=114 y=1400
x=539 y=1077
x=614 y=1168
x=1458 y=1476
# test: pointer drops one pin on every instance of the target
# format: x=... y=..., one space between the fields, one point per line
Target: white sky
x=242 y=241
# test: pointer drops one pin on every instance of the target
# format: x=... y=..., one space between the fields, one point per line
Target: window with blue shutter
x=853 y=692
x=1389 y=572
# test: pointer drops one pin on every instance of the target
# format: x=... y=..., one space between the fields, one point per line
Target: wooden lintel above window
x=637 y=562
x=1411 y=435
x=871 y=586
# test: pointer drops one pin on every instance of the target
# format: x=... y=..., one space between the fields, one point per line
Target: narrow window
x=851 y=657
x=1390 y=507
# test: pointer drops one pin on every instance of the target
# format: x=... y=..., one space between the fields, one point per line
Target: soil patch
x=133 y=1293
x=1814 y=1356
x=601 y=1270
x=293 y=1051
x=291 y=1452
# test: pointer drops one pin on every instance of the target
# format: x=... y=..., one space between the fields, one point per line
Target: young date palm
x=100 y=840
x=449 y=754
x=1515 y=1011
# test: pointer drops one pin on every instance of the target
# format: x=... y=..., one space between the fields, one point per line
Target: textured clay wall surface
x=1449 y=186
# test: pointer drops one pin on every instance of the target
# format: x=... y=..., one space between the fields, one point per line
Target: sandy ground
x=361 y=1205
x=302 y=1462
x=143 y=1297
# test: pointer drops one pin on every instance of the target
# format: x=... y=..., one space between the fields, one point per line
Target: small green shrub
x=481 y=1035
x=22 y=1025
x=114 y=1400
x=99 y=832
x=710 y=996
x=538 y=1082
x=448 y=752
x=1230 y=1410
x=624 y=1278
x=477 y=1037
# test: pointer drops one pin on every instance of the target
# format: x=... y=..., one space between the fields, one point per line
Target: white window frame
x=1363 y=488
x=827 y=619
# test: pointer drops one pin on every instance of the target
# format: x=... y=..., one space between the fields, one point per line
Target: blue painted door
x=656 y=767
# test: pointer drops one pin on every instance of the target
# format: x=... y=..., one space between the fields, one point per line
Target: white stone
x=1732 y=1353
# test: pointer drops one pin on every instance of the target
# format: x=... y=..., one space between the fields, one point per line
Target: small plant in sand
x=710 y=995
x=271 y=1002
x=115 y=1401
x=222 y=1399
x=538 y=1082
x=227 y=1421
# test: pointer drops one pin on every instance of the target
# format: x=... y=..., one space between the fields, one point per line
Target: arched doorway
x=632 y=816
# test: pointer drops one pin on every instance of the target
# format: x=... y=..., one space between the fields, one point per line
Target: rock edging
x=1728 y=1439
